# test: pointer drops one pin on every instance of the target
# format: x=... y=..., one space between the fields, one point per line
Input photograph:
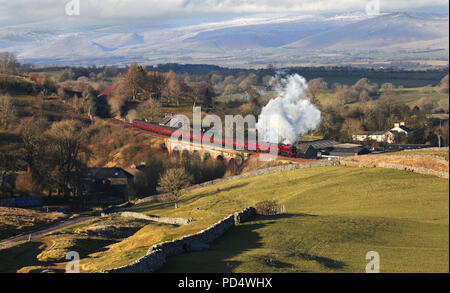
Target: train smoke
x=290 y=114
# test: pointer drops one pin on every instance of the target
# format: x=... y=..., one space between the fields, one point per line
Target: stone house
x=390 y=136
x=114 y=180
x=379 y=136
x=401 y=128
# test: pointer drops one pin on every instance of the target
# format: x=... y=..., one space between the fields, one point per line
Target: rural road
x=35 y=235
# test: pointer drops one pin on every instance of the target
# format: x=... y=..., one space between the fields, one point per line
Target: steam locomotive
x=280 y=149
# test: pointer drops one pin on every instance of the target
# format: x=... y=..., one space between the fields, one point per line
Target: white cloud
x=39 y=9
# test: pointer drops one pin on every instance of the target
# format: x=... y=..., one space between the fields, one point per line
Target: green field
x=335 y=215
x=409 y=96
x=424 y=152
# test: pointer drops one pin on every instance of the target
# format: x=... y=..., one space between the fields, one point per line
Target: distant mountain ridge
x=120 y=40
x=383 y=31
x=243 y=41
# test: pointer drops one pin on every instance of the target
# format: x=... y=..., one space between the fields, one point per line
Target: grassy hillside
x=335 y=215
x=15 y=221
x=409 y=96
x=434 y=160
x=423 y=152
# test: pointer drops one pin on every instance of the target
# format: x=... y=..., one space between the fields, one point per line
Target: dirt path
x=36 y=235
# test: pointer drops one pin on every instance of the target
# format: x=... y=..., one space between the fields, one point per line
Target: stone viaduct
x=178 y=147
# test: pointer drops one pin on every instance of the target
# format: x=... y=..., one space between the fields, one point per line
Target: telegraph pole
x=439 y=133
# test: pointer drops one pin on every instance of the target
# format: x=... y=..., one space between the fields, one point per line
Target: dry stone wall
x=156 y=255
x=303 y=165
x=165 y=220
x=396 y=166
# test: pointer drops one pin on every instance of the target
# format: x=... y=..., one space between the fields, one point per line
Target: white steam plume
x=290 y=114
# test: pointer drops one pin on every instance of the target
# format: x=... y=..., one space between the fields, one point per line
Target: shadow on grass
x=271 y=261
x=87 y=246
x=216 y=259
x=280 y=216
x=26 y=254
x=145 y=207
x=149 y=207
x=215 y=191
x=22 y=255
x=325 y=261
x=239 y=240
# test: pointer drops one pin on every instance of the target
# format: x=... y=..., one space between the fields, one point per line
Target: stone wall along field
x=303 y=165
x=156 y=255
x=164 y=220
x=421 y=170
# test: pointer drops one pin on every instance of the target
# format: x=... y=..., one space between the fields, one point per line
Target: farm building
x=347 y=149
x=390 y=136
x=379 y=136
x=401 y=147
x=310 y=149
x=107 y=179
x=401 y=128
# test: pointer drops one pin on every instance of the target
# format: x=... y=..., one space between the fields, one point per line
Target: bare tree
x=131 y=85
x=8 y=63
x=350 y=127
x=9 y=163
x=7 y=111
x=173 y=181
x=204 y=93
x=150 y=110
x=173 y=88
x=69 y=154
x=35 y=152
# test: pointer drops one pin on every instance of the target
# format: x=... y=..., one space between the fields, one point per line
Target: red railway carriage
x=282 y=149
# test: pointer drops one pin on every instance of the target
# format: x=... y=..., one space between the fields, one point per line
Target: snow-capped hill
x=120 y=40
x=69 y=47
x=378 y=32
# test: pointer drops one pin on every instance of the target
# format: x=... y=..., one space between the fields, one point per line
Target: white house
x=384 y=136
x=379 y=136
x=401 y=128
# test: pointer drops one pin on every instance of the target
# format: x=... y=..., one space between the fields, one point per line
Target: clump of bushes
x=267 y=208
x=201 y=170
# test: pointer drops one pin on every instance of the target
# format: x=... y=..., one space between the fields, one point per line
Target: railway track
x=130 y=126
x=156 y=135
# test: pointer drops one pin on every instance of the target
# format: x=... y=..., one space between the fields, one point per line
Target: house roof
x=108 y=91
x=165 y=121
x=402 y=127
x=373 y=133
x=347 y=145
x=303 y=148
x=317 y=144
x=348 y=148
x=101 y=173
